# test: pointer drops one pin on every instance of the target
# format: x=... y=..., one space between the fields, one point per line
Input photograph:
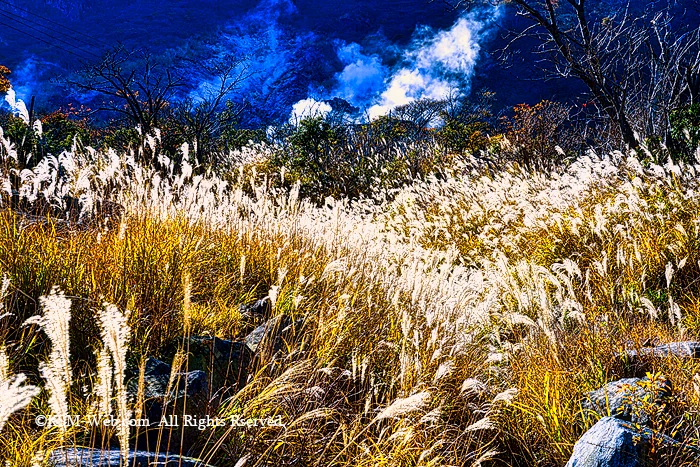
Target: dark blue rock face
x=610 y=443
x=155 y=367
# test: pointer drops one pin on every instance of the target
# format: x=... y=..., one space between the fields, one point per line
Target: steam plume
x=435 y=65
x=309 y=108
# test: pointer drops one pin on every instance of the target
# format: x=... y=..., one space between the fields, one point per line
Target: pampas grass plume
x=56 y=371
x=15 y=394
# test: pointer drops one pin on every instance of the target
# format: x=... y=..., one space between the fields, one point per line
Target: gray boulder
x=272 y=331
x=85 y=457
x=227 y=362
x=687 y=349
x=618 y=398
x=259 y=308
x=610 y=443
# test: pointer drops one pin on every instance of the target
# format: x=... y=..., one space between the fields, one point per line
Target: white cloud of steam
x=407 y=86
x=308 y=108
x=269 y=47
x=360 y=81
x=363 y=76
x=435 y=67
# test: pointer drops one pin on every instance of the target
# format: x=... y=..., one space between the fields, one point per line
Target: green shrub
x=353 y=160
x=468 y=124
x=685 y=131
x=60 y=133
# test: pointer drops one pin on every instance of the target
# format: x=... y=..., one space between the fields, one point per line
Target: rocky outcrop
x=155 y=367
x=84 y=457
x=622 y=438
x=274 y=335
x=213 y=370
x=257 y=309
x=687 y=349
x=226 y=362
x=189 y=386
x=186 y=394
x=610 y=443
x=620 y=398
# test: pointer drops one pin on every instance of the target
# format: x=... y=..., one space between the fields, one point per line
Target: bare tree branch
x=638 y=66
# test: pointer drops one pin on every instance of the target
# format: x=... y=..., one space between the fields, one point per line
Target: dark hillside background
x=295 y=45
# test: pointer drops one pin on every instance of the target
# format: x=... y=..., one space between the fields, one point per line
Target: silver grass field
x=455 y=321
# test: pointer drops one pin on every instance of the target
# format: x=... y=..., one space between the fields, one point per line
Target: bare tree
x=637 y=66
x=669 y=75
x=422 y=113
x=146 y=90
x=132 y=83
x=210 y=111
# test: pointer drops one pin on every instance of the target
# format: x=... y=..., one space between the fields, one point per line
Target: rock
x=274 y=334
x=268 y=330
x=617 y=397
x=188 y=395
x=85 y=457
x=216 y=369
x=253 y=339
x=155 y=367
x=610 y=443
x=192 y=386
x=259 y=308
x=226 y=361
x=687 y=349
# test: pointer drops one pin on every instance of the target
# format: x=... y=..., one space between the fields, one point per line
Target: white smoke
x=308 y=108
x=407 y=86
x=363 y=76
x=435 y=67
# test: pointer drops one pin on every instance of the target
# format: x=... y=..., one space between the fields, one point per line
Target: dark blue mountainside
x=293 y=45
x=371 y=54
